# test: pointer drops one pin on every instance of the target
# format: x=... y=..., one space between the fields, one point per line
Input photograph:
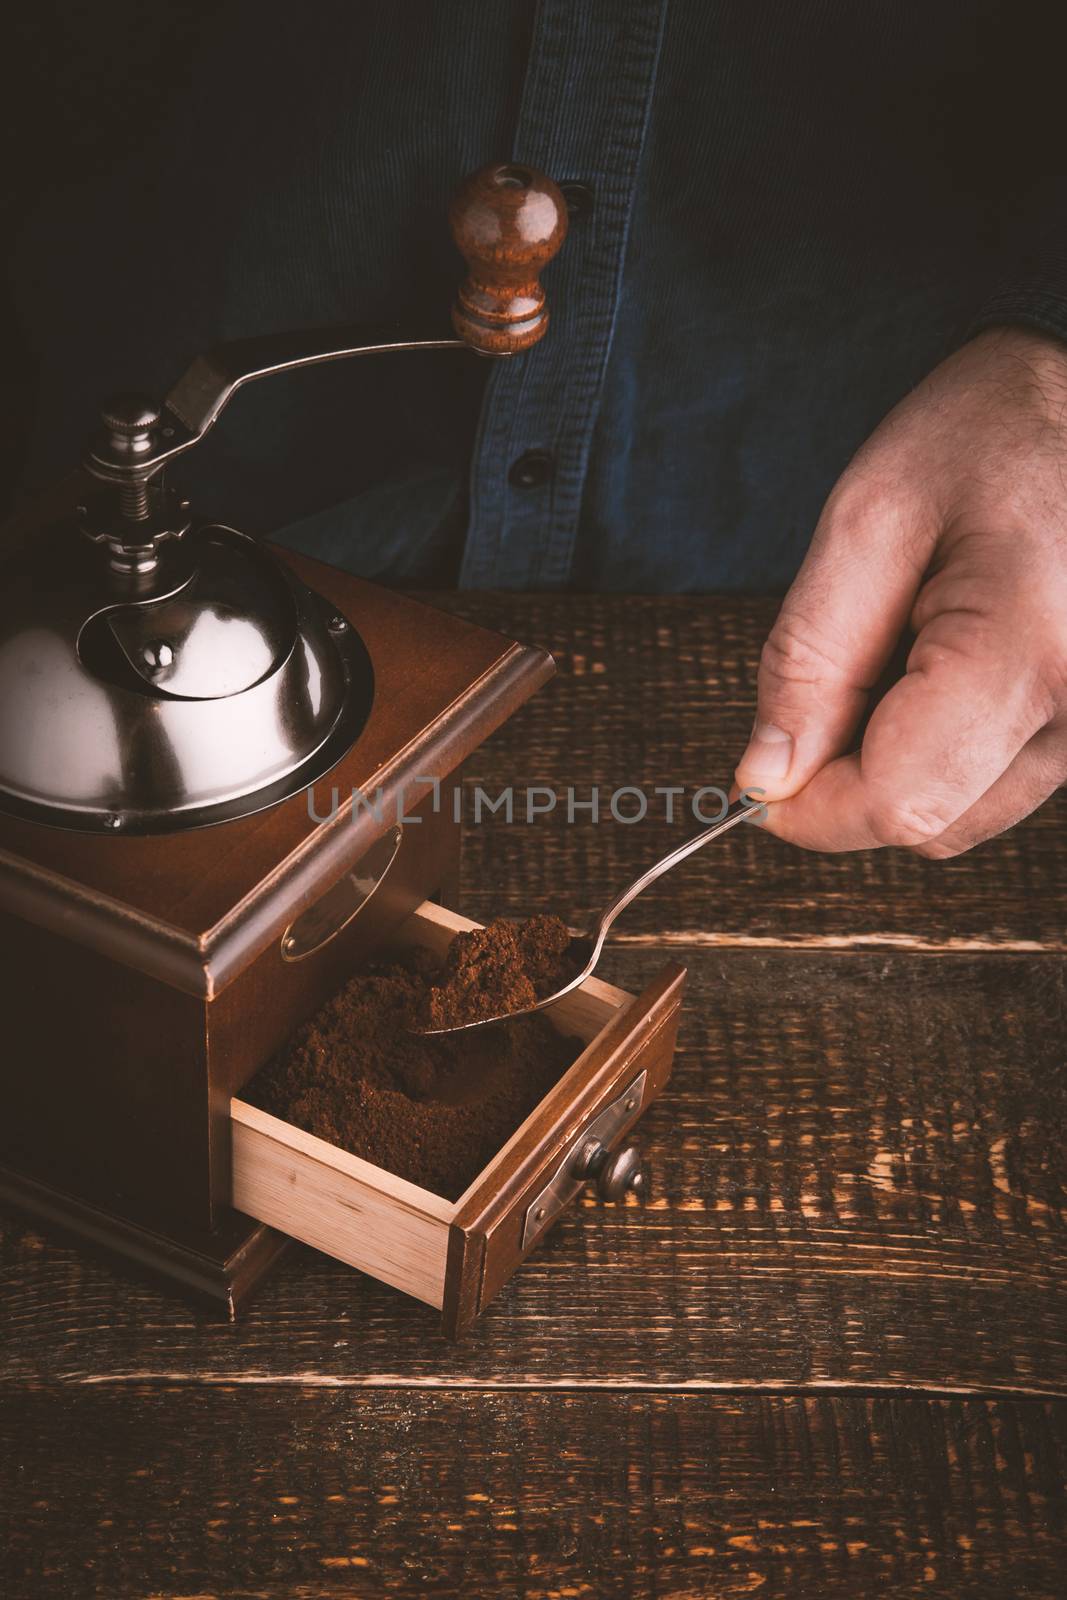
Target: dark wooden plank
x=289 y=1492
x=860 y=1181
x=661 y=691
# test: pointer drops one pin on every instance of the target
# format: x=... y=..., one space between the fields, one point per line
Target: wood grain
x=343 y=1206
x=661 y=691
x=829 y=1358
x=858 y=1180
x=294 y=1492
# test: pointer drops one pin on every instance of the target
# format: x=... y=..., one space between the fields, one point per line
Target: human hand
x=953 y=518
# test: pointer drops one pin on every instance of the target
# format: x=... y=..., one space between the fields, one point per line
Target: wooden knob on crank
x=508 y=220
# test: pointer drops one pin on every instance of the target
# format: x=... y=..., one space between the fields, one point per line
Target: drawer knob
x=615 y=1174
x=590 y=1156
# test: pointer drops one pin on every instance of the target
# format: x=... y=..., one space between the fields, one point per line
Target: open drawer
x=457 y=1254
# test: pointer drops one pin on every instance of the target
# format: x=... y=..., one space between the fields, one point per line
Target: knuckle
x=859 y=500
x=877 y=504
x=798 y=653
x=911 y=824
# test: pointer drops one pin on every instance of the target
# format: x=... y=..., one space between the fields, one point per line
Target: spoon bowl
x=591 y=945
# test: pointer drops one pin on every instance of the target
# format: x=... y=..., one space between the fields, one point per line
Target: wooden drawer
x=457 y=1254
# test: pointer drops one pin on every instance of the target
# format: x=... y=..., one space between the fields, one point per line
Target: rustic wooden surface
x=829 y=1357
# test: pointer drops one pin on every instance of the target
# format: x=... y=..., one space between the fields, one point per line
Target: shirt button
x=531 y=470
x=579 y=198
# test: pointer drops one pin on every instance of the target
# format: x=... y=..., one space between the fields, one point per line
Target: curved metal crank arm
x=202 y=393
x=507 y=220
x=214 y=378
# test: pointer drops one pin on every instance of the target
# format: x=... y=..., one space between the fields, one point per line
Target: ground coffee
x=433 y=1111
x=500 y=968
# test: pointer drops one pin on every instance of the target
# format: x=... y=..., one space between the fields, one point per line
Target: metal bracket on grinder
x=589 y=1156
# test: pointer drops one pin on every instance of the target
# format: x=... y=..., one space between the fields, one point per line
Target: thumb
x=836 y=630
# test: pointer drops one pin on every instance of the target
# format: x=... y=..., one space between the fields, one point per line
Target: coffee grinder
x=170 y=692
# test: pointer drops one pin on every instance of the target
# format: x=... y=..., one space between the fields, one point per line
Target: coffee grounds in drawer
x=434 y=1111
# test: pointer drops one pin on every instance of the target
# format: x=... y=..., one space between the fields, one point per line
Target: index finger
x=935 y=744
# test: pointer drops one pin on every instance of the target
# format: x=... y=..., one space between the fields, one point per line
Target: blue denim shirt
x=784 y=215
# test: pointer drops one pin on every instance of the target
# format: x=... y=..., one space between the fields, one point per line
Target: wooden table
x=829 y=1357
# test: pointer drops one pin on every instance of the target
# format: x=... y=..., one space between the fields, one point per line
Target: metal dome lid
x=197 y=686
x=177 y=675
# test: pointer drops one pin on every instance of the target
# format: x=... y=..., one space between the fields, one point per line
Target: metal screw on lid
x=130 y=421
x=129 y=413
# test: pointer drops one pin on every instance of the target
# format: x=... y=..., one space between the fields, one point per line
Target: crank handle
x=508 y=221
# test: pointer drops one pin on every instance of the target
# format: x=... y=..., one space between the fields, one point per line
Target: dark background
x=80 y=85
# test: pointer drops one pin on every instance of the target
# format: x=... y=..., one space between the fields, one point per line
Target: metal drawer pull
x=335 y=910
x=616 y=1174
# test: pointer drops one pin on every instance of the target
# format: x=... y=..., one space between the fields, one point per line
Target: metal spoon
x=738 y=812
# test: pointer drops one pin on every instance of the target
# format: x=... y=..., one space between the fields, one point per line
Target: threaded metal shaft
x=133 y=502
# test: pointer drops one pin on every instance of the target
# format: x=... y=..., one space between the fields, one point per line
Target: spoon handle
x=738 y=812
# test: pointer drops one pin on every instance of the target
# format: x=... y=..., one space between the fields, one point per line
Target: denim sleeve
x=1031 y=284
